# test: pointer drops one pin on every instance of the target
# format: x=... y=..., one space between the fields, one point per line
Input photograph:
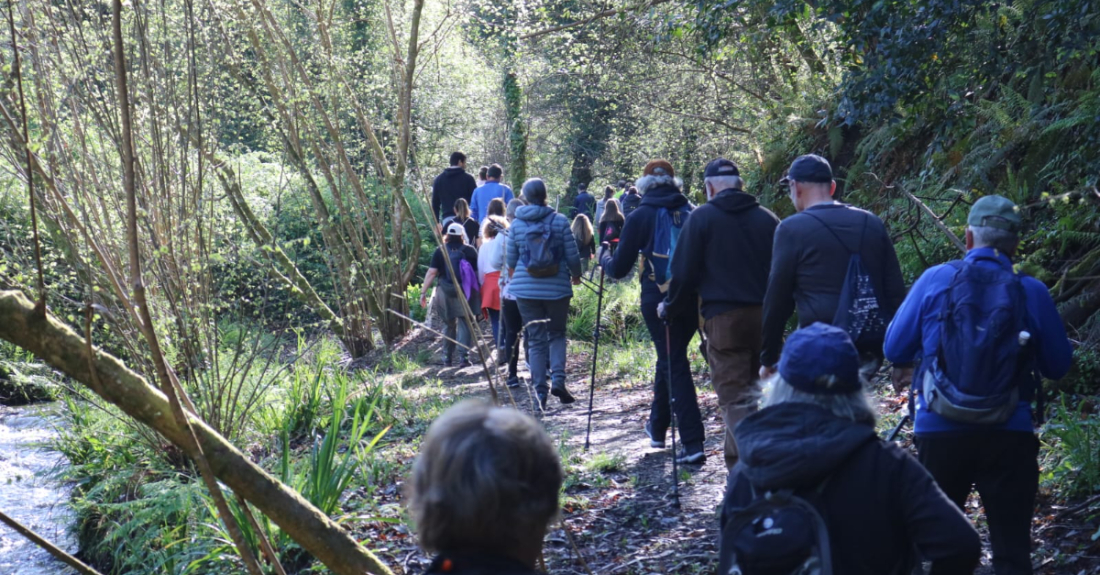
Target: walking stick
x=595 y=354
x=672 y=413
x=894 y=434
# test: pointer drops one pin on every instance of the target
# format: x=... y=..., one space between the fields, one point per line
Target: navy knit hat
x=820 y=350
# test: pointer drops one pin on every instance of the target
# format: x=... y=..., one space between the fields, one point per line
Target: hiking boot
x=447 y=362
x=563 y=394
x=653 y=442
x=691 y=456
x=513 y=382
x=464 y=363
x=543 y=401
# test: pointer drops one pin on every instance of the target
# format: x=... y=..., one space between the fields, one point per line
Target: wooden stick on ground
x=54 y=550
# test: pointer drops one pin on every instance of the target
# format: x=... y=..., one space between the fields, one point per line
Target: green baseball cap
x=994 y=212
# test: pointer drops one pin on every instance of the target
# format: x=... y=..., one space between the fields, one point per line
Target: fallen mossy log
x=60 y=347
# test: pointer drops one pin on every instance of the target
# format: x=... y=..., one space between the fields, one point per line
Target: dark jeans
x=681 y=328
x=1004 y=467
x=494 y=322
x=512 y=325
x=545 y=321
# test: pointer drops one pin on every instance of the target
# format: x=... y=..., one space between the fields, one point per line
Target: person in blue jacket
x=492 y=188
x=1000 y=459
x=543 y=301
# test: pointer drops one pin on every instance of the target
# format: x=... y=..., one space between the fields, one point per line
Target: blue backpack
x=976 y=373
x=666 y=232
x=542 y=259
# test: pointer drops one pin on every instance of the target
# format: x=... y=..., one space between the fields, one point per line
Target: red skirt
x=490 y=292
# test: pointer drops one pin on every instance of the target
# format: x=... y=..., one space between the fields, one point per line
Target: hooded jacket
x=723 y=254
x=526 y=287
x=659 y=192
x=584 y=203
x=878 y=502
x=452 y=184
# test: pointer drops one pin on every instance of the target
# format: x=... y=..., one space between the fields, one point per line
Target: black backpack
x=631 y=203
x=542 y=259
x=858 y=311
x=447 y=282
x=778 y=533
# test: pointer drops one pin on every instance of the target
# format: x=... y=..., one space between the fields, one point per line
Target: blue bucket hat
x=820 y=350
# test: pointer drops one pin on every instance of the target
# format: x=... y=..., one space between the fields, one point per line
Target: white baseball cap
x=456 y=230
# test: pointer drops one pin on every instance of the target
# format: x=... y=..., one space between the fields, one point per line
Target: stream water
x=28 y=492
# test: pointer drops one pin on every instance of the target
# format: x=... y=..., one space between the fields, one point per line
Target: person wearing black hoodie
x=661 y=191
x=723 y=257
x=450 y=185
x=815 y=435
x=584 y=203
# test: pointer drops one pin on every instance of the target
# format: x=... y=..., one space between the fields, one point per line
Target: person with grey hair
x=722 y=258
x=814 y=437
x=484 y=490
x=984 y=336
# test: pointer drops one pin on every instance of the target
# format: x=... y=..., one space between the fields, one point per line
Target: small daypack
x=980 y=359
x=541 y=259
x=858 y=310
x=447 y=281
x=778 y=533
x=631 y=203
x=666 y=232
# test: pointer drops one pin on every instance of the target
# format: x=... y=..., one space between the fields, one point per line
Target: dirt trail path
x=617 y=504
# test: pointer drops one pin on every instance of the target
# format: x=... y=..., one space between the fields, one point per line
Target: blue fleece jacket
x=915 y=333
x=562 y=241
x=479 y=202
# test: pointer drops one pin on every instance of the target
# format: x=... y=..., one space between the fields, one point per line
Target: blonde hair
x=486 y=478
x=612 y=212
x=582 y=229
x=462 y=210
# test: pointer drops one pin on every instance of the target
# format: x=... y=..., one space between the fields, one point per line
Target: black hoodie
x=878 y=503
x=452 y=184
x=638 y=230
x=723 y=254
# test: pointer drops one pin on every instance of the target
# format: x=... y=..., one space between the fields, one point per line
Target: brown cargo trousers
x=733 y=353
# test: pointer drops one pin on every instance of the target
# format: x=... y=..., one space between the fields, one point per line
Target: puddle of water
x=29 y=494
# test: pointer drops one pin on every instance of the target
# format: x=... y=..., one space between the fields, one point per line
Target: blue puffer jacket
x=526 y=287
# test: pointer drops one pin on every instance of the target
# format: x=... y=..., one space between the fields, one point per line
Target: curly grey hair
x=855 y=406
x=487 y=478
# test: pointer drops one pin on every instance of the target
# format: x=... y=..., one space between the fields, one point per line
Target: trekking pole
x=595 y=354
x=672 y=413
x=894 y=434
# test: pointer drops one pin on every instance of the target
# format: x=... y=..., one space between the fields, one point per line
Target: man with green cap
x=984 y=336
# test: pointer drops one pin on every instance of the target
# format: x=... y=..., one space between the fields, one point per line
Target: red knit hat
x=658 y=168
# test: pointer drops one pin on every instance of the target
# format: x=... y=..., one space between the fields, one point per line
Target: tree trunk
x=517 y=130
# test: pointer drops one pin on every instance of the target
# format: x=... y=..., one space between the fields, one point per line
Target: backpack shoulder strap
x=834 y=234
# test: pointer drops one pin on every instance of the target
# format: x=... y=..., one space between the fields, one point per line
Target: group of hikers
x=810 y=483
